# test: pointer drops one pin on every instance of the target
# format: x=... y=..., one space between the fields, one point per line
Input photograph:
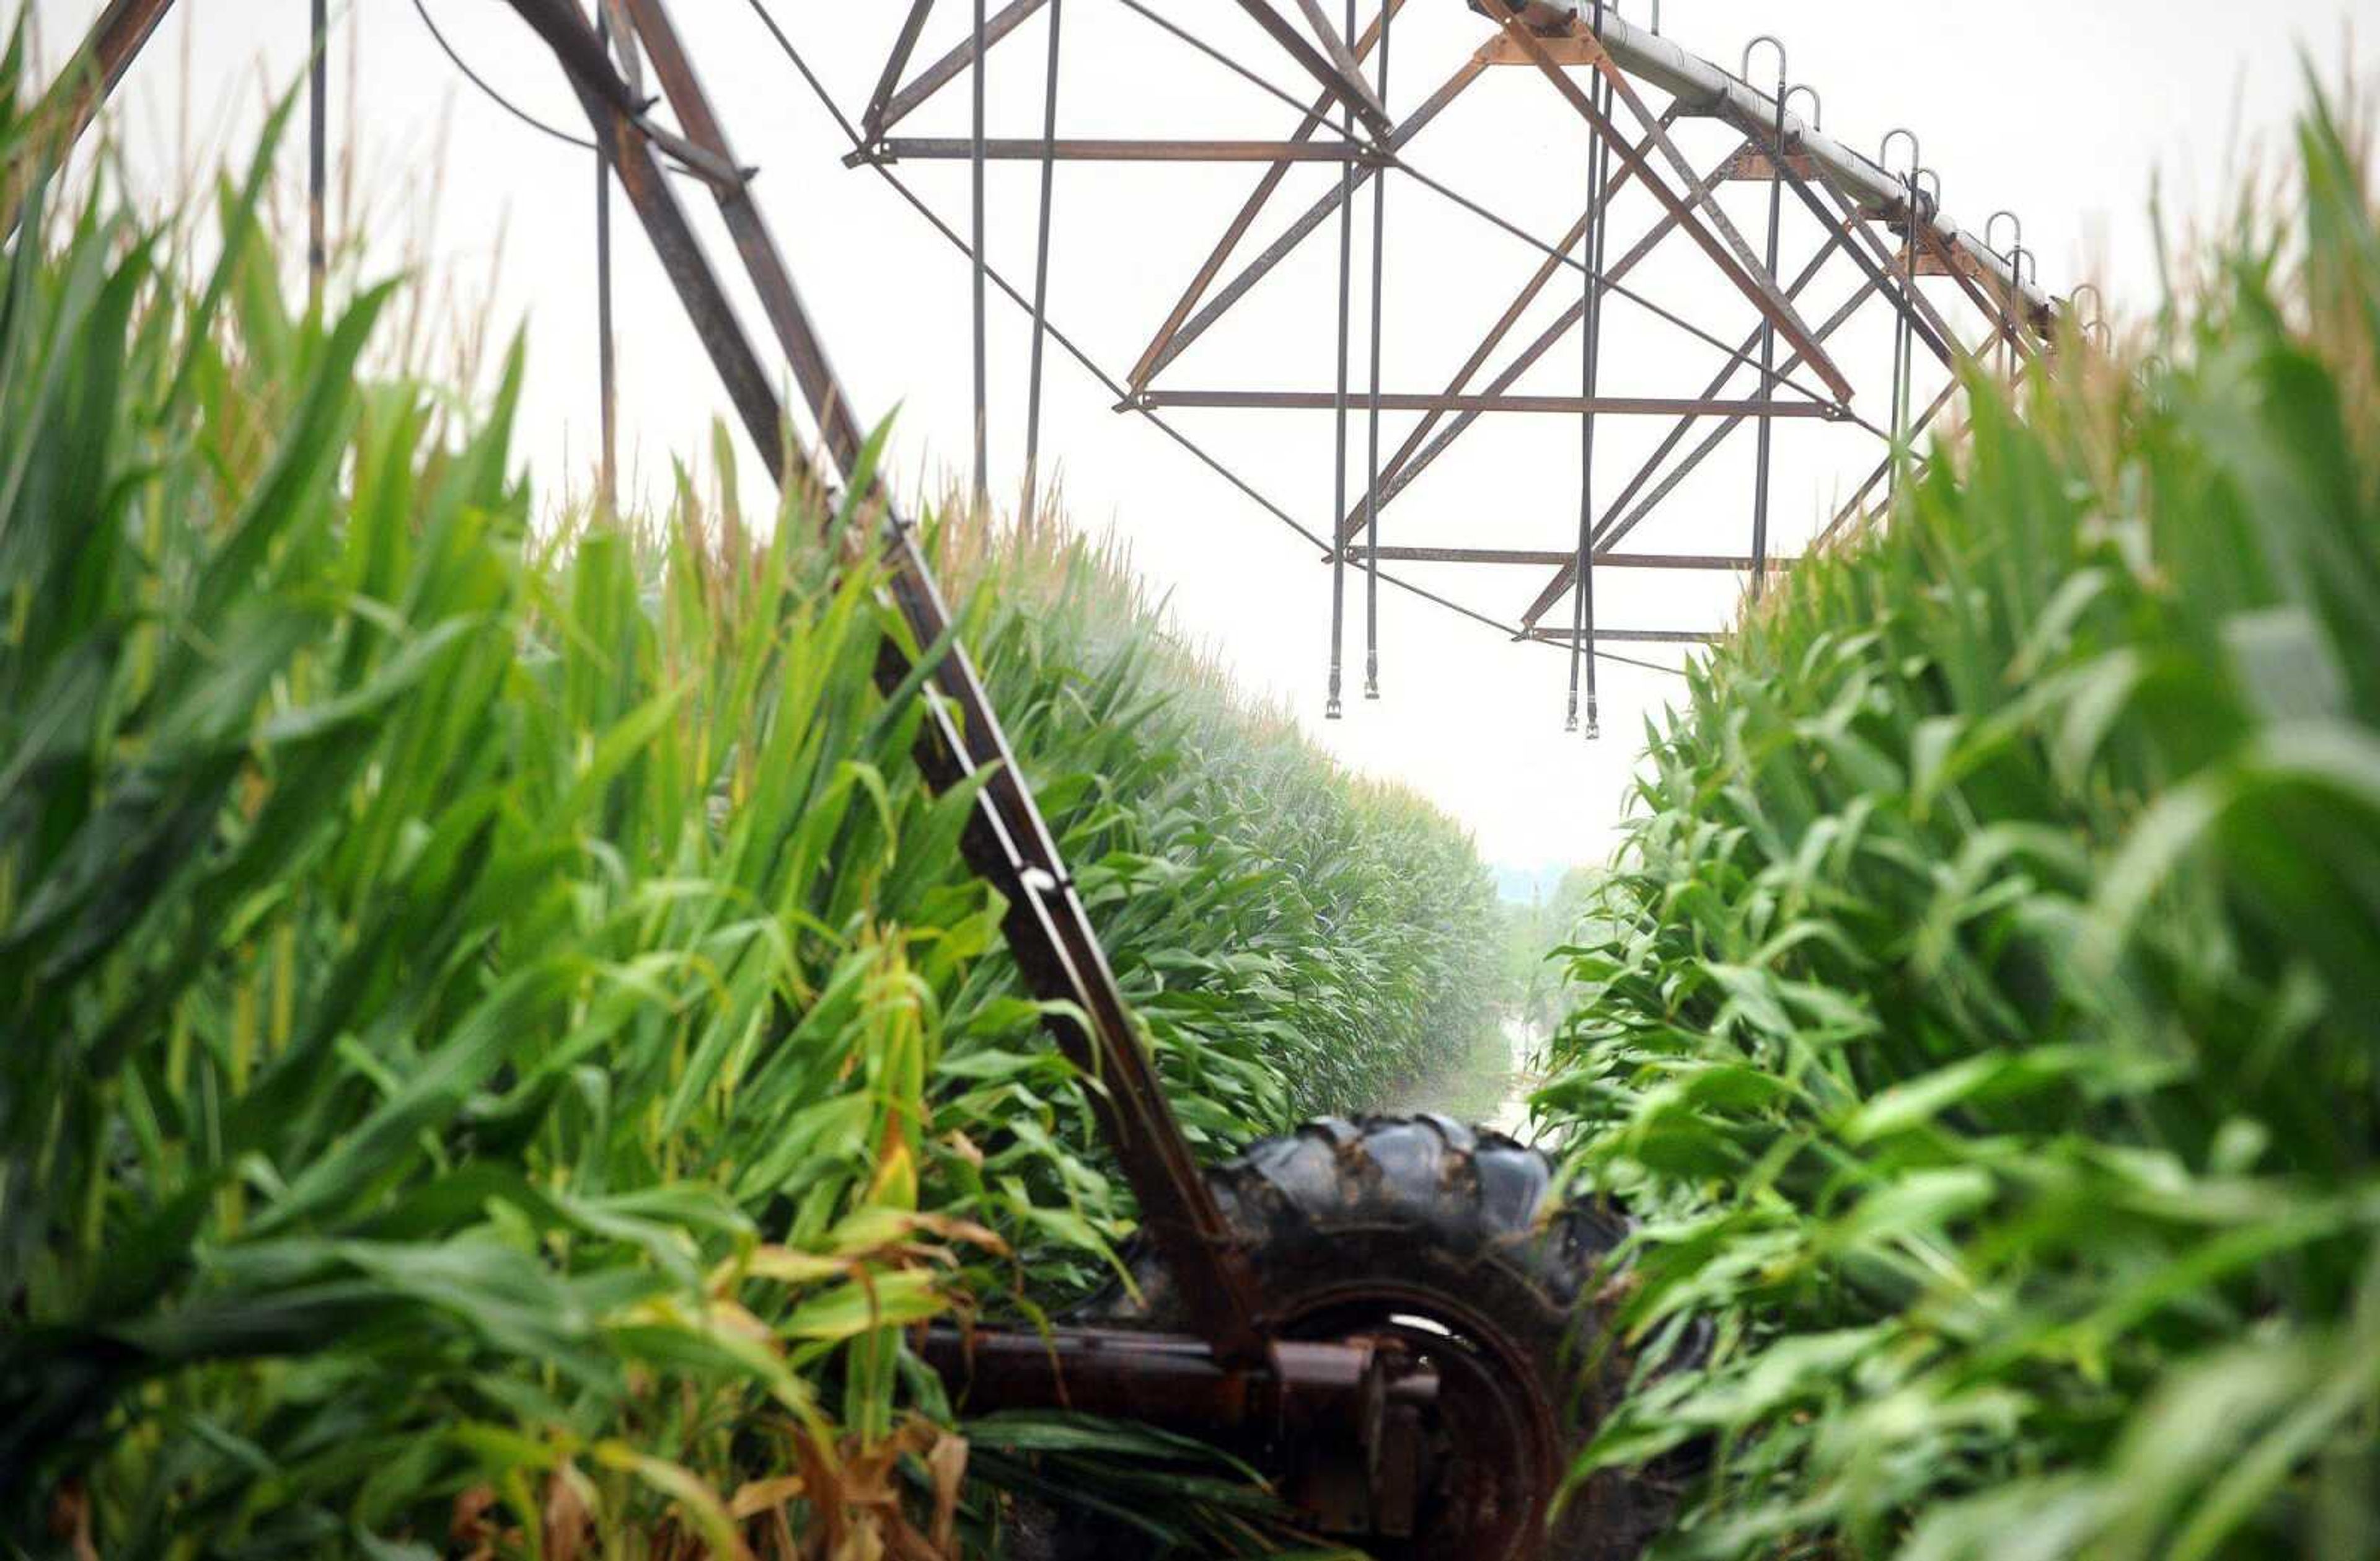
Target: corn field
x=499 y=1039
x=1983 y=1014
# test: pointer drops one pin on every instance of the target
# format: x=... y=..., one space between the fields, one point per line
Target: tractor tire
x=1444 y=1236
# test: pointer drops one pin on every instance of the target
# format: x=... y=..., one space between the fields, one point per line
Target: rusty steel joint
x=1303 y=1388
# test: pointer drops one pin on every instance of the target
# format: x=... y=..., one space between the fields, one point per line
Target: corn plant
x=1982 y=1013
x=498 y=1039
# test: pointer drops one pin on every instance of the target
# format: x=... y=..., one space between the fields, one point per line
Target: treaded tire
x=1446 y=1235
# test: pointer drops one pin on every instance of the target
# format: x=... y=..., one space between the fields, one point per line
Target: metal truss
x=1882 y=228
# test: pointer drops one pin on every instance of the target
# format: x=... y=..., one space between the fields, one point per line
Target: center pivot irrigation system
x=1391 y=1366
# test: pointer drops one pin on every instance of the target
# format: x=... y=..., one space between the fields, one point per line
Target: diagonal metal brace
x=1337 y=70
x=1006 y=839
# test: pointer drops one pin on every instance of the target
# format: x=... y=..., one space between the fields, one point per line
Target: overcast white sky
x=2061 y=112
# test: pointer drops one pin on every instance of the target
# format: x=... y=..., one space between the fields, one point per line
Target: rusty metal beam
x=899 y=149
x=871 y=119
x=948 y=68
x=1628 y=637
x=1604 y=558
x=963 y=744
x=771 y=278
x=1343 y=60
x=82 y=84
x=1622 y=406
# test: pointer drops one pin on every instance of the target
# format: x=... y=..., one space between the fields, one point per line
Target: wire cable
x=555 y=132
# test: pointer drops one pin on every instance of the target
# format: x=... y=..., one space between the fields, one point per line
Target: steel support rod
x=318 y=150
x=1041 y=275
x=1704 y=563
x=982 y=299
x=1372 y=456
x=1332 y=706
x=1613 y=406
x=1767 y=436
x=1904 y=368
x=1582 y=660
x=926 y=149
